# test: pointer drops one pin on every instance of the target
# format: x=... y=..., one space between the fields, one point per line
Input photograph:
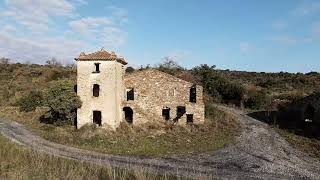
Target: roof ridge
x=101 y=55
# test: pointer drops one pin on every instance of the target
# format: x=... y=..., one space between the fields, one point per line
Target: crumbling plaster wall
x=111 y=91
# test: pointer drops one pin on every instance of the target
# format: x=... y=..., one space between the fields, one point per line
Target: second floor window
x=97 y=67
x=96 y=90
x=193 y=94
x=130 y=94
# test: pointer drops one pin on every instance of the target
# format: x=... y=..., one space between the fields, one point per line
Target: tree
x=169 y=66
x=53 y=62
x=4 y=60
x=63 y=102
x=217 y=86
x=130 y=69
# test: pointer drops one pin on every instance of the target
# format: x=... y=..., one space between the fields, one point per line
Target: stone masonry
x=110 y=97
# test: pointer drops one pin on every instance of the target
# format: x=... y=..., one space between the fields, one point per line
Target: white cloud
x=59 y=34
x=119 y=15
x=316 y=29
x=245 y=47
x=307 y=8
x=90 y=25
x=292 y=40
x=113 y=37
x=38 y=50
x=36 y=14
x=80 y=2
x=280 y=25
x=107 y=30
x=178 y=55
x=8 y=29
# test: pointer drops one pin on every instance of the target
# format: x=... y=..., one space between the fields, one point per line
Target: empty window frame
x=97 y=117
x=97 y=67
x=96 y=90
x=130 y=94
x=193 y=94
x=181 y=110
x=189 y=118
x=75 y=88
x=166 y=113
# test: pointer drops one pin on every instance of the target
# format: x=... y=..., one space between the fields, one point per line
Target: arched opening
x=309 y=114
x=193 y=94
x=128 y=114
x=96 y=90
x=97 y=117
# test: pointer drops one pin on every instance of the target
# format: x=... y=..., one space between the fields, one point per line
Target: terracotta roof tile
x=101 y=55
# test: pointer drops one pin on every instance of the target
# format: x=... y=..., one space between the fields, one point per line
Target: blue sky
x=249 y=35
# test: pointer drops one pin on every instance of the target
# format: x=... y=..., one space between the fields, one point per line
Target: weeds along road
x=260 y=153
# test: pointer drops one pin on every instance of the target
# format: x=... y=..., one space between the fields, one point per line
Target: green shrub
x=256 y=100
x=31 y=102
x=63 y=102
x=216 y=86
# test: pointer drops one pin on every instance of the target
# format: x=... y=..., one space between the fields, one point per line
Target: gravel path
x=260 y=153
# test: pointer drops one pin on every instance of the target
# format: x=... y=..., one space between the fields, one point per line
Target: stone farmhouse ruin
x=110 y=96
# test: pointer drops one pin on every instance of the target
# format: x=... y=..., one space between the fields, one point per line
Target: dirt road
x=260 y=153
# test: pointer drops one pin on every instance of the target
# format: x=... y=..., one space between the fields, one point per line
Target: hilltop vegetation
x=249 y=89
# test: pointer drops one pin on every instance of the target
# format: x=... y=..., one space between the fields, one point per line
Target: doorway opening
x=128 y=114
x=97 y=117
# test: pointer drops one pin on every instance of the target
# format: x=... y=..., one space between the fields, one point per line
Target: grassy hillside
x=153 y=139
x=17 y=162
x=278 y=85
x=17 y=80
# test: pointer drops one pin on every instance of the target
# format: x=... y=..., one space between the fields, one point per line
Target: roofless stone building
x=110 y=97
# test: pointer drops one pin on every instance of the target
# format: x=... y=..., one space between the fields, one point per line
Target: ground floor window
x=181 y=110
x=189 y=118
x=97 y=117
x=166 y=113
x=128 y=114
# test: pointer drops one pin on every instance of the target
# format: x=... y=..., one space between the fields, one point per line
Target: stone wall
x=155 y=90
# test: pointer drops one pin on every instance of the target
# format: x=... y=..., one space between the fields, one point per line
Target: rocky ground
x=260 y=153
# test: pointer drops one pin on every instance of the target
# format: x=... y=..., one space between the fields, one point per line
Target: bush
x=216 y=86
x=63 y=103
x=31 y=102
x=256 y=100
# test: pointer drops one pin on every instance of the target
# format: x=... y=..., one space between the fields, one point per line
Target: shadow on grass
x=289 y=121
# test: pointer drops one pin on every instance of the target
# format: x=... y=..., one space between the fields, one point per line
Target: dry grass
x=22 y=163
x=148 y=140
x=307 y=145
